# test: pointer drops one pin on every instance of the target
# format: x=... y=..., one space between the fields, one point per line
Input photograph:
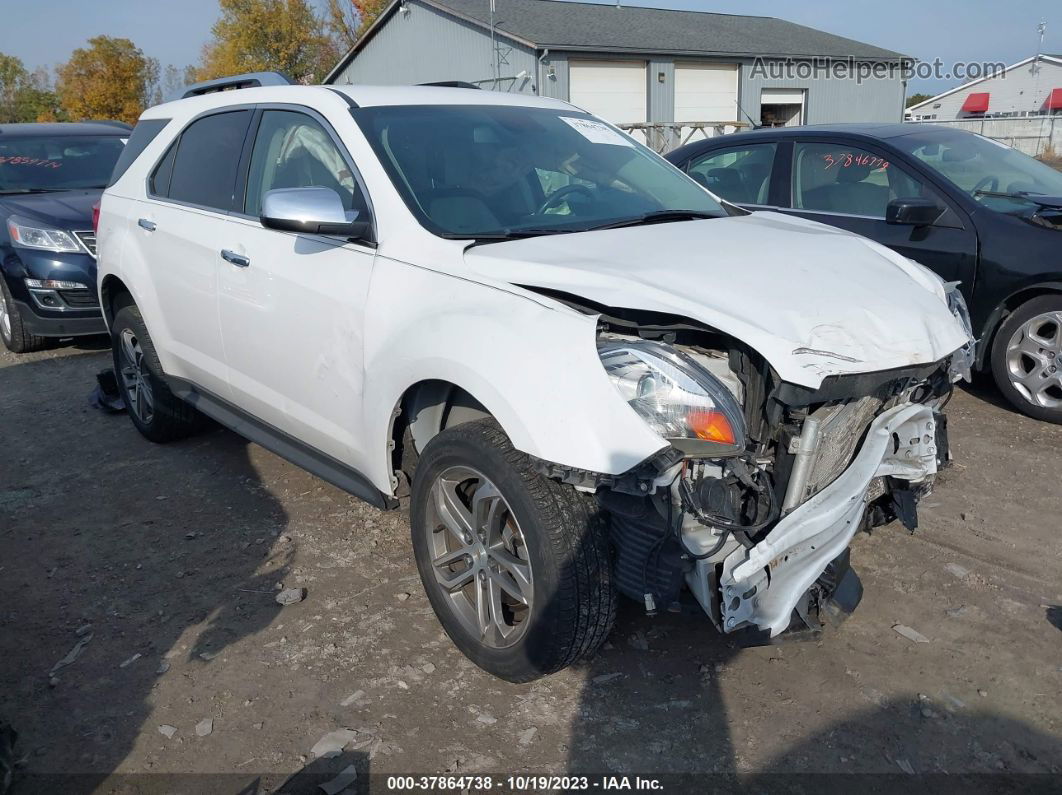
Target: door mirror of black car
x=913 y=212
x=313 y=211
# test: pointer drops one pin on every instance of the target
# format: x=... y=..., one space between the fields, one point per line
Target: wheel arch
x=1004 y=309
x=424 y=410
x=112 y=290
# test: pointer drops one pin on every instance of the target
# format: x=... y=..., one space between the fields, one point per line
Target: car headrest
x=856 y=172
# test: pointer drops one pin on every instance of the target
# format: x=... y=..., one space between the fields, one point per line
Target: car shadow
x=135 y=552
x=654 y=704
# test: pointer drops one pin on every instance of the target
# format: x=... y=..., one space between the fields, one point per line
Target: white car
x=589 y=375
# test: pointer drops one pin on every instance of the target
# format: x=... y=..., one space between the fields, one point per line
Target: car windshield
x=992 y=173
x=35 y=163
x=489 y=171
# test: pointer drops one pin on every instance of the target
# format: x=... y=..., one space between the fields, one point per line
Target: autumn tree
x=110 y=79
x=26 y=96
x=347 y=20
x=174 y=81
x=916 y=99
x=268 y=35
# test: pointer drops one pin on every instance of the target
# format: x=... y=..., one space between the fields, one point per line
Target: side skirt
x=284 y=445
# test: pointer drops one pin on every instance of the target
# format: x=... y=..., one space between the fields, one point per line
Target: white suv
x=589 y=375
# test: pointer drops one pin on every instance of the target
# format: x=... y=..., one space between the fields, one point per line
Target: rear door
x=180 y=225
x=849 y=185
x=293 y=305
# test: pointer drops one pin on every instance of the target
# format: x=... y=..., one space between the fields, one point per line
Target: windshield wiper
x=13 y=191
x=1030 y=196
x=656 y=217
x=507 y=234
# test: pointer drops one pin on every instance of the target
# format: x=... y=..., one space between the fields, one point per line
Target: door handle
x=238 y=260
x=144 y=223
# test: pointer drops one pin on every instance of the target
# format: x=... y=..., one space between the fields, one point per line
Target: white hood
x=813 y=300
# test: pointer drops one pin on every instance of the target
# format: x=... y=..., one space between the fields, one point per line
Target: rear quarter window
x=143 y=134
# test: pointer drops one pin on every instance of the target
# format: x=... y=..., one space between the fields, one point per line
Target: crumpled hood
x=68 y=209
x=813 y=300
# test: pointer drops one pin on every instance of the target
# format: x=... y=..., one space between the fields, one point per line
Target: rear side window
x=160 y=178
x=741 y=175
x=143 y=134
x=207 y=159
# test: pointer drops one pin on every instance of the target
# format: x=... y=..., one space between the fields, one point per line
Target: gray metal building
x=633 y=65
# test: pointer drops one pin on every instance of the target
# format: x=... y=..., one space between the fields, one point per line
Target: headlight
x=676 y=396
x=41 y=237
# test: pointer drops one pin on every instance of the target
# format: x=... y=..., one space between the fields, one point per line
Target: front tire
x=12 y=331
x=156 y=412
x=516 y=566
x=1027 y=358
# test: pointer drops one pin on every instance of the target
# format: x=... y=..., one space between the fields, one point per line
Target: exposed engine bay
x=756 y=534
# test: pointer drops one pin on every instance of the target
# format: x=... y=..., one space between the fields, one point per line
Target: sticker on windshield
x=596 y=132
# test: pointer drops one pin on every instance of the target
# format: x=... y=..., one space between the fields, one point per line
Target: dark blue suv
x=51 y=175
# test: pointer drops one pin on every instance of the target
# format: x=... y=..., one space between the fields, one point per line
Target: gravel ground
x=166 y=560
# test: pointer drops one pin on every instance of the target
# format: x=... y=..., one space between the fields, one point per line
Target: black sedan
x=973 y=210
x=51 y=175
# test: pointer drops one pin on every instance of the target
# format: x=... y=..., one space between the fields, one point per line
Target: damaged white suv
x=589 y=375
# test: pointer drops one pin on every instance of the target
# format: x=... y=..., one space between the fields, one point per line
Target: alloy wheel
x=479 y=556
x=1034 y=356
x=135 y=377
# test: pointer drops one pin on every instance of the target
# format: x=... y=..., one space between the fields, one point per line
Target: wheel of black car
x=12 y=331
x=156 y=412
x=515 y=565
x=1027 y=358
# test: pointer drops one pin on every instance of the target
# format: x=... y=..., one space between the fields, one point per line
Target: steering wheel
x=992 y=184
x=561 y=194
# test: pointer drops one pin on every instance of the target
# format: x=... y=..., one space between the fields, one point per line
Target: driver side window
x=292 y=150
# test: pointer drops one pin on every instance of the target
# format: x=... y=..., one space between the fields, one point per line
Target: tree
x=26 y=96
x=110 y=79
x=175 y=80
x=268 y=35
x=347 y=20
x=915 y=99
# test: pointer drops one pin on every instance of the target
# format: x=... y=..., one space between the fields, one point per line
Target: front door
x=850 y=187
x=293 y=305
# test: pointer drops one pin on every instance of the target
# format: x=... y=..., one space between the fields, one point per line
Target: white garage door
x=706 y=92
x=613 y=90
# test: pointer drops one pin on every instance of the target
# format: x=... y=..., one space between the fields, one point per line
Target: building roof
x=597 y=27
x=1043 y=56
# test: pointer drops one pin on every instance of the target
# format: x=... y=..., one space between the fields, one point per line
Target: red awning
x=1054 y=99
x=976 y=103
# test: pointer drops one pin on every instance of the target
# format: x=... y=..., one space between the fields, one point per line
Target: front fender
x=532 y=365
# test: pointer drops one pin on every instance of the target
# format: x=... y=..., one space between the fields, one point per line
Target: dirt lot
x=167 y=559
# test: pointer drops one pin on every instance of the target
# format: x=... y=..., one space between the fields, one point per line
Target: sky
x=44 y=32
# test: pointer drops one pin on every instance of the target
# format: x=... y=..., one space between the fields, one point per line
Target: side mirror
x=913 y=212
x=312 y=211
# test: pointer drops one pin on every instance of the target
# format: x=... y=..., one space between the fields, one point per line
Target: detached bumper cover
x=761 y=586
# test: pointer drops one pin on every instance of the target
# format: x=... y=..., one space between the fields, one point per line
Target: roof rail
x=111 y=123
x=451 y=84
x=248 y=80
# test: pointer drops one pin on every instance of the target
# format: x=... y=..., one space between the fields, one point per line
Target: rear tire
x=156 y=412
x=509 y=533
x=1027 y=358
x=12 y=331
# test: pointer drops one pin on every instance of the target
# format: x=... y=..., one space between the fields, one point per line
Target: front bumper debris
x=761 y=586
